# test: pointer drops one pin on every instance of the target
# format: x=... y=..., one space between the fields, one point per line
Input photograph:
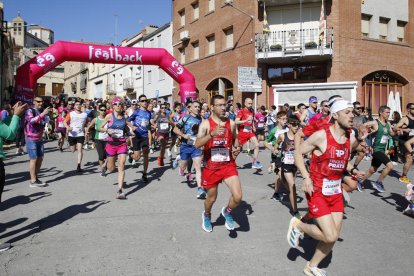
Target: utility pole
x=116 y=30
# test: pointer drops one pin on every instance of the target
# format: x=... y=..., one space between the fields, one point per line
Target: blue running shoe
x=175 y=162
x=359 y=186
x=201 y=193
x=229 y=219
x=207 y=226
x=378 y=186
x=256 y=165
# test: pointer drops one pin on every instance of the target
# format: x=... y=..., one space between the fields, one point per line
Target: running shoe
x=277 y=197
x=175 y=162
x=144 y=178
x=190 y=177
x=162 y=162
x=6 y=246
x=181 y=171
x=93 y=146
x=120 y=195
x=135 y=164
x=313 y=271
x=409 y=210
x=346 y=198
x=404 y=179
x=229 y=219
x=378 y=186
x=394 y=163
x=169 y=154
x=256 y=165
x=103 y=172
x=271 y=168
x=61 y=150
x=294 y=234
x=410 y=192
x=207 y=226
x=359 y=186
x=85 y=146
x=78 y=168
x=130 y=159
x=37 y=184
x=201 y=193
x=17 y=151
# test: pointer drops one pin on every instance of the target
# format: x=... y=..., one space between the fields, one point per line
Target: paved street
x=75 y=226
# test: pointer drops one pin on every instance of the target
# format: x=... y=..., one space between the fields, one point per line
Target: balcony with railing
x=128 y=84
x=304 y=43
x=110 y=89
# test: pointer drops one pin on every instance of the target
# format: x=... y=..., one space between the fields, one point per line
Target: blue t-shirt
x=141 y=119
x=189 y=125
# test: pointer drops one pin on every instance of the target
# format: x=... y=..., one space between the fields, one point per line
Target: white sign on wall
x=249 y=79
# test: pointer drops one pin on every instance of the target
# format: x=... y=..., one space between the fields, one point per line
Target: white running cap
x=340 y=105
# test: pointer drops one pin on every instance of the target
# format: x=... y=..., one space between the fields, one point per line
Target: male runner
x=382 y=143
x=244 y=120
x=406 y=125
x=330 y=148
x=311 y=111
x=139 y=122
x=187 y=128
x=218 y=136
x=75 y=123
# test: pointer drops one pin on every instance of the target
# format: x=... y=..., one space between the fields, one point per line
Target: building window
x=161 y=74
x=182 y=17
x=400 y=30
x=196 y=12
x=365 y=24
x=159 y=41
x=182 y=55
x=383 y=27
x=302 y=73
x=229 y=38
x=196 y=50
x=152 y=43
x=211 y=45
x=211 y=5
x=149 y=77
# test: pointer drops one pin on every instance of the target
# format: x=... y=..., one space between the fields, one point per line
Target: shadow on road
x=309 y=246
x=10 y=224
x=240 y=216
x=53 y=220
x=400 y=202
x=22 y=199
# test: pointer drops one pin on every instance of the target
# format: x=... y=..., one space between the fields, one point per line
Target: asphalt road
x=75 y=226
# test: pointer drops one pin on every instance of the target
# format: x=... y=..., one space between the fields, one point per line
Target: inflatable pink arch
x=28 y=74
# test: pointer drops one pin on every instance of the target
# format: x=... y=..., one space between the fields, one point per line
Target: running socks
x=228 y=210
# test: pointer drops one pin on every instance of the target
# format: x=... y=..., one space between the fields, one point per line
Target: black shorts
x=379 y=158
x=139 y=143
x=289 y=168
x=260 y=132
x=278 y=163
x=76 y=140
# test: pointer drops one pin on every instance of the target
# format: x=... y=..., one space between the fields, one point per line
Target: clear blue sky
x=91 y=20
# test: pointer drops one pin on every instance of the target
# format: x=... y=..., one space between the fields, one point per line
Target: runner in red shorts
x=218 y=136
x=244 y=120
x=330 y=148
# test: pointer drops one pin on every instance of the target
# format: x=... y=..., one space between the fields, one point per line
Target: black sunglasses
x=103 y=110
x=143 y=101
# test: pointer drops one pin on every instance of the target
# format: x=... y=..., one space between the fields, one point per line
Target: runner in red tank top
x=218 y=136
x=330 y=148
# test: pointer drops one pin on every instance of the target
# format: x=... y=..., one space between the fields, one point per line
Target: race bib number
x=164 y=126
x=102 y=136
x=247 y=129
x=260 y=125
x=289 y=158
x=331 y=187
x=220 y=154
x=144 y=123
x=384 y=139
x=61 y=124
x=411 y=133
x=191 y=141
x=118 y=133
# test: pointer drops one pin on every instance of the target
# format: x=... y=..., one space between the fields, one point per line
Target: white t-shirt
x=77 y=123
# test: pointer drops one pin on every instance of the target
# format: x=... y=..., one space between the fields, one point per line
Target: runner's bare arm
x=92 y=123
x=303 y=117
x=105 y=121
x=408 y=144
x=203 y=137
x=239 y=122
x=402 y=123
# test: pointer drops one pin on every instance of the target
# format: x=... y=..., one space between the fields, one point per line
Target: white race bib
x=260 y=125
x=289 y=158
x=220 y=154
x=61 y=124
x=384 y=139
x=331 y=187
x=118 y=133
x=164 y=126
x=102 y=136
x=411 y=133
x=191 y=141
x=247 y=129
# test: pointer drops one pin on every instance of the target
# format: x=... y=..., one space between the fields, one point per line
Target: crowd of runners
x=322 y=142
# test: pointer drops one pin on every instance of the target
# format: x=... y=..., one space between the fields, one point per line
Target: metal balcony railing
x=128 y=83
x=110 y=89
x=295 y=42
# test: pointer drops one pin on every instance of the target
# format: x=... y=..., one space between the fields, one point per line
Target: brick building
x=361 y=49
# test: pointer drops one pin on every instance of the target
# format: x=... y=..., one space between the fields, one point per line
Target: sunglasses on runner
x=117 y=104
x=143 y=101
x=103 y=110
